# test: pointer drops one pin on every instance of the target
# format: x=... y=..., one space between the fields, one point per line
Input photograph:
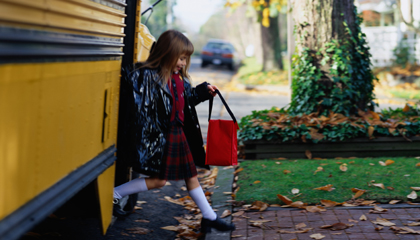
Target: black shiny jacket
x=147 y=119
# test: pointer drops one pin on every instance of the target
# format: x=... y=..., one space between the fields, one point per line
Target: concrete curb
x=224 y=181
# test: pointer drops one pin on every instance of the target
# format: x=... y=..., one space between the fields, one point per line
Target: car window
x=221 y=46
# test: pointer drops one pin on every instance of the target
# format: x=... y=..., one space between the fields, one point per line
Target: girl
x=165 y=138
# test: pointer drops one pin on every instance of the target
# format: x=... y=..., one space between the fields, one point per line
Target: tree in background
x=157 y=22
x=331 y=67
x=267 y=14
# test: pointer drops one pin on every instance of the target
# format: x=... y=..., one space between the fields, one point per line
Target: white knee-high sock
x=134 y=186
x=200 y=199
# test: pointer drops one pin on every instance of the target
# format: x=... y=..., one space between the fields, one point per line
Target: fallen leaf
x=389 y=162
x=257 y=182
x=414 y=224
x=343 y=167
x=239 y=213
x=226 y=213
x=378 y=228
x=300 y=225
x=319 y=169
x=235 y=236
x=338 y=226
x=349 y=205
x=380 y=185
x=297 y=204
x=411 y=203
x=295 y=191
x=329 y=203
x=138 y=230
x=390 y=188
x=314 y=209
x=278 y=163
x=394 y=201
x=406 y=108
x=286 y=171
x=337 y=233
x=403 y=230
x=355 y=190
x=171 y=228
x=308 y=154
x=415 y=188
x=142 y=221
x=377 y=209
x=228 y=193
x=284 y=199
x=363 y=217
x=359 y=193
x=418 y=164
x=317 y=236
x=352 y=220
x=412 y=195
x=371 y=164
x=367 y=202
x=383 y=222
x=304 y=230
x=258 y=205
x=328 y=188
x=382 y=163
x=238 y=170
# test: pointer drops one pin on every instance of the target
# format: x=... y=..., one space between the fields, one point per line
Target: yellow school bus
x=60 y=66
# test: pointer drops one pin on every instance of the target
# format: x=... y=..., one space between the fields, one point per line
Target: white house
x=384 y=28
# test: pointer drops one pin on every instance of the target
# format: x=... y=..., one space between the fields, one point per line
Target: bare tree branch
x=409 y=24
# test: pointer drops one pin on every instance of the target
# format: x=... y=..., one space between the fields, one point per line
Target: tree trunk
x=332 y=69
x=270 y=38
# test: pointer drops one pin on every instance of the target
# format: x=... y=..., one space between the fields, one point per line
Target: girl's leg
x=137 y=185
x=210 y=219
x=197 y=194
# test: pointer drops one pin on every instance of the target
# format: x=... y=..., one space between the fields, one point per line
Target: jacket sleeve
x=200 y=93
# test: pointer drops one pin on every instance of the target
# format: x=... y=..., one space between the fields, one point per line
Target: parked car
x=218 y=52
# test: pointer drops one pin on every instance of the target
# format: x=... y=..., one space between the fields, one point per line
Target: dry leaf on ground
x=258 y=205
x=343 y=167
x=317 y=236
x=284 y=199
x=383 y=222
x=336 y=226
x=363 y=218
x=297 y=204
x=404 y=230
x=415 y=188
x=226 y=213
x=239 y=213
x=142 y=221
x=314 y=209
x=287 y=171
x=329 y=203
x=171 y=228
x=328 y=188
x=138 y=230
x=380 y=185
x=295 y=191
x=359 y=193
x=319 y=169
x=394 y=201
x=414 y=224
x=412 y=195
x=300 y=225
x=377 y=209
x=389 y=162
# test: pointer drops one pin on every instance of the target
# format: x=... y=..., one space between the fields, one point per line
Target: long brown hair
x=166 y=52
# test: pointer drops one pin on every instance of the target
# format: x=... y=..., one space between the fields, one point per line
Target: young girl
x=168 y=143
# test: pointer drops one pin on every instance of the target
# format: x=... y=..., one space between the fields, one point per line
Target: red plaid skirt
x=178 y=162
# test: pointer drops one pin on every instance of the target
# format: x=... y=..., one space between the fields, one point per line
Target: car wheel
x=230 y=66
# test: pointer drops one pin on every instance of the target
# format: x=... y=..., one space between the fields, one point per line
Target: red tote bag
x=222 y=140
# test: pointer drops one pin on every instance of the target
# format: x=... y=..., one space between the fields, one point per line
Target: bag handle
x=224 y=103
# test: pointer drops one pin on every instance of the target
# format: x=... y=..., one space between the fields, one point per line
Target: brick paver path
x=285 y=219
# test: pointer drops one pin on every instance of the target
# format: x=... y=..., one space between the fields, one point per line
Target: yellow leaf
x=286 y=171
x=359 y=193
x=363 y=218
x=308 y=154
x=415 y=188
x=412 y=195
x=239 y=170
x=257 y=182
x=319 y=169
x=389 y=162
x=370 y=131
x=418 y=164
x=406 y=108
x=328 y=188
x=343 y=167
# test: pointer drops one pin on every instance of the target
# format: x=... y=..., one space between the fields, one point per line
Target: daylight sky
x=195 y=13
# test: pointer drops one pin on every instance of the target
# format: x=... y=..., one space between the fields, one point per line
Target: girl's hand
x=212 y=90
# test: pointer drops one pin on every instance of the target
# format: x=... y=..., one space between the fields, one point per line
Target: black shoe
x=117 y=211
x=219 y=224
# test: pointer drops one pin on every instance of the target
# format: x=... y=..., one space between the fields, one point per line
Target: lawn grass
x=404 y=93
x=400 y=175
x=250 y=73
